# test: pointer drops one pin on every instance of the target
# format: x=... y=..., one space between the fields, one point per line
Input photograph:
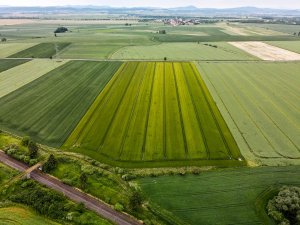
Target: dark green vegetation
x=284 y=208
x=155 y=112
x=49 y=203
x=43 y=50
x=6 y=64
x=219 y=197
x=49 y=108
x=6 y=174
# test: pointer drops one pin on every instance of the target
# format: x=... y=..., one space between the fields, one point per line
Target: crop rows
x=262 y=101
x=154 y=112
x=42 y=50
x=50 y=107
x=6 y=64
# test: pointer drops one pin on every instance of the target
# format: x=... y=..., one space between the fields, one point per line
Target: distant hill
x=187 y=10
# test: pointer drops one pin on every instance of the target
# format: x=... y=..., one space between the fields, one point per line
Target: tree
x=299 y=34
x=50 y=164
x=162 y=32
x=83 y=180
x=61 y=30
x=165 y=58
x=285 y=207
x=33 y=149
x=3 y=39
x=135 y=201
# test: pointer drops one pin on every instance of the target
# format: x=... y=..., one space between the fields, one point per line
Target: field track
x=49 y=108
x=154 y=112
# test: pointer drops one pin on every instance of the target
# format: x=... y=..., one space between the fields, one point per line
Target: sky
x=286 y=4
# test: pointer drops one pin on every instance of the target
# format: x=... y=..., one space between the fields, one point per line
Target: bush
x=135 y=201
x=50 y=164
x=25 y=141
x=119 y=207
x=33 y=149
x=285 y=207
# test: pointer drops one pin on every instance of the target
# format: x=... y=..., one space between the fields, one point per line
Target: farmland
x=12 y=48
x=187 y=51
x=268 y=130
x=61 y=96
x=293 y=46
x=7 y=64
x=43 y=50
x=20 y=215
x=219 y=197
x=23 y=74
x=155 y=112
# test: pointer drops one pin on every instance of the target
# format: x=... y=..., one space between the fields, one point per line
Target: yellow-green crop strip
x=155 y=112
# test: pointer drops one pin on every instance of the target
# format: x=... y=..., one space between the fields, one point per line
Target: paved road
x=90 y=202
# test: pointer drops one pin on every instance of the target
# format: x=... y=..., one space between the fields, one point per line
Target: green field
x=183 y=51
x=6 y=64
x=293 y=46
x=219 y=197
x=260 y=103
x=156 y=112
x=12 y=48
x=6 y=173
x=16 y=215
x=49 y=108
x=14 y=78
x=43 y=50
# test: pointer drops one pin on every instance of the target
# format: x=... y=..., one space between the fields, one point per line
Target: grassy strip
x=6 y=64
x=43 y=50
x=220 y=38
x=22 y=215
x=62 y=96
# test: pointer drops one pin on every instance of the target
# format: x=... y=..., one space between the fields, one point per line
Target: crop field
x=50 y=107
x=88 y=51
x=18 y=76
x=43 y=50
x=186 y=51
x=260 y=103
x=12 y=48
x=6 y=64
x=293 y=46
x=155 y=112
x=231 y=196
x=15 y=215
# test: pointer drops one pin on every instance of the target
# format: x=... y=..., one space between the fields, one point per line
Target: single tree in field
x=50 y=164
x=33 y=149
x=3 y=39
x=165 y=58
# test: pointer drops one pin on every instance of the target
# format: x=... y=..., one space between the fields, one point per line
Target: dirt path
x=90 y=202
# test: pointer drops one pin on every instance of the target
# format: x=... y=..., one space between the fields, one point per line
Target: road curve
x=90 y=202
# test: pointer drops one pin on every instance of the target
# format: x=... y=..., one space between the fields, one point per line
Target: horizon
x=217 y=4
